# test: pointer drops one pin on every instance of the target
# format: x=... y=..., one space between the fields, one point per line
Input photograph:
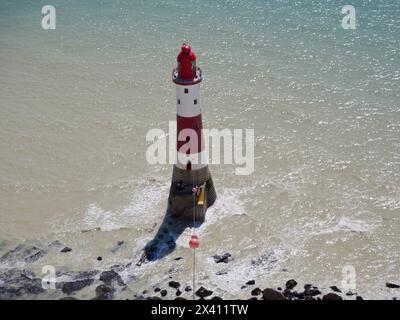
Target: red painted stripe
x=196 y=126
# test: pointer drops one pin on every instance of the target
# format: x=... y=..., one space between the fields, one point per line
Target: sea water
x=76 y=104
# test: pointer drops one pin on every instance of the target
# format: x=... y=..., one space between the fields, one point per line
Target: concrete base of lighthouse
x=182 y=204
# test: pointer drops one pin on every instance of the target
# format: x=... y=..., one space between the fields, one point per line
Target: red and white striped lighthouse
x=192 y=188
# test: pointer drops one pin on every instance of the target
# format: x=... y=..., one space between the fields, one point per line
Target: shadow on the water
x=164 y=241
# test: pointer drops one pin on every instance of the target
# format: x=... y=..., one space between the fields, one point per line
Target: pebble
x=290 y=284
x=174 y=284
x=203 y=292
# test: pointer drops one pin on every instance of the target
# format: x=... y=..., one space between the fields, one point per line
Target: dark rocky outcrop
x=336 y=289
x=69 y=287
x=104 y=292
x=66 y=249
x=332 y=296
x=392 y=285
x=311 y=293
x=28 y=254
x=188 y=288
x=225 y=258
x=251 y=282
x=271 y=294
x=174 y=284
x=111 y=276
x=203 y=292
x=256 y=292
x=17 y=283
x=290 y=284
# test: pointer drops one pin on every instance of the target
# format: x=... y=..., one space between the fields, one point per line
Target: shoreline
x=112 y=283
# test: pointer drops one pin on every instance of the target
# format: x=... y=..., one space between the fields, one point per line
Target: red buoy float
x=194 y=242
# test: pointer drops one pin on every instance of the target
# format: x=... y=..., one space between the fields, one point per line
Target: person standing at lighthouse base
x=192 y=188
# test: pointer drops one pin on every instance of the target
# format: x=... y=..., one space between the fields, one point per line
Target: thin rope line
x=194 y=228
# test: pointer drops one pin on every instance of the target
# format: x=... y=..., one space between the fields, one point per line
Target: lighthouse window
x=195 y=101
x=186 y=90
x=179 y=101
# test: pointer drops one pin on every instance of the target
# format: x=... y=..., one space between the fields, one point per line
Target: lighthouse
x=192 y=188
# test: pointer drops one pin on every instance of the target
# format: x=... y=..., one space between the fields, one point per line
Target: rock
x=68 y=298
x=180 y=298
x=392 y=285
x=256 y=292
x=163 y=293
x=15 y=283
x=104 y=292
x=35 y=287
x=307 y=286
x=54 y=244
x=279 y=288
x=178 y=258
x=66 y=249
x=290 y=284
x=268 y=260
x=154 y=298
x=221 y=272
x=157 y=289
x=287 y=292
x=332 y=296
x=178 y=292
x=35 y=255
x=144 y=292
x=203 y=292
x=312 y=292
x=82 y=275
x=359 y=298
x=216 y=298
x=299 y=295
x=336 y=289
x=99 y=258
x=271 y=294
x=253 y=298
x=225 y=258
x=111 y=276
x=350 y=293
x=117 y=247
x=243 y=287
x=69 y=287
x=188 y=288
x=24 y=253
x=251 y=282
x=174 y=284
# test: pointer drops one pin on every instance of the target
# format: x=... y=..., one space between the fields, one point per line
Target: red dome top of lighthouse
x=187 y=73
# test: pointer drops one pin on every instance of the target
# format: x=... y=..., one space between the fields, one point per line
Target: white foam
x=144 y=204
